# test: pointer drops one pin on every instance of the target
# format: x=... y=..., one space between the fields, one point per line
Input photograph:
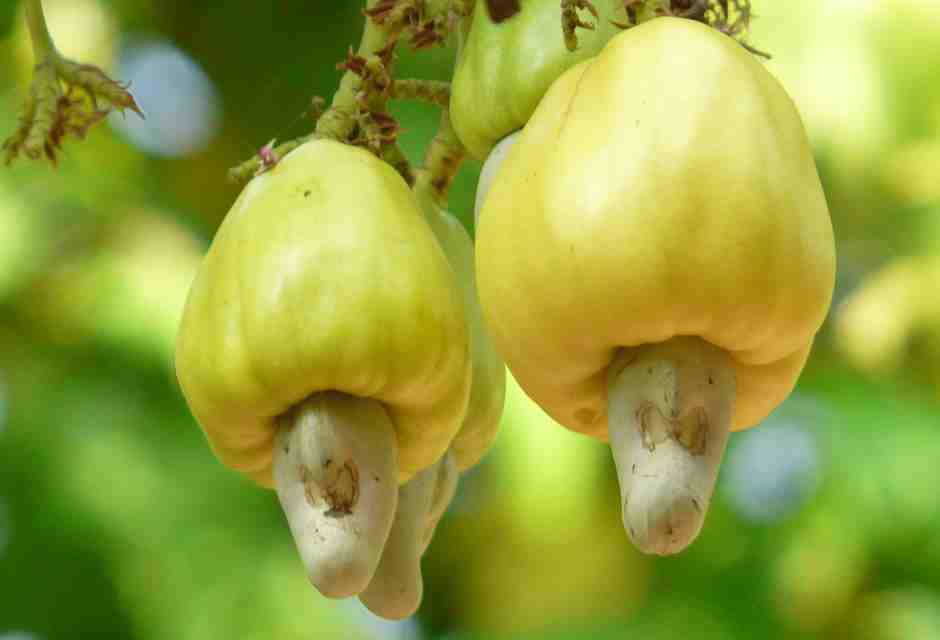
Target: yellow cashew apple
x=654 y=258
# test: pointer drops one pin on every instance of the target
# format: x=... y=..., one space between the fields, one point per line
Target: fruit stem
x=338 y=122
x=256 y=164
x=669 y=416
x=430 y=91
x=571 y=20
x=441 y=161
x=43 y=46
x=336 y=475
x=52 y=111
x=394 y=156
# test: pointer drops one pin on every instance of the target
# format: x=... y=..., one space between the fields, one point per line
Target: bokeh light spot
x=772 y=470
x=178 y=98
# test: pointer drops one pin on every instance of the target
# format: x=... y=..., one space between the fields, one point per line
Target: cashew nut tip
x=397 y=587
x=669 y=416
x=336 y=470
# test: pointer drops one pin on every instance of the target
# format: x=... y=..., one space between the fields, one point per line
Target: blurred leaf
x=902 y=614
x=7 y=14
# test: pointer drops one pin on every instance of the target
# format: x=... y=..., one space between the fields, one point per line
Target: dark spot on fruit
x=311 y=489
x=710 y=381
x=307 y=193
x=501 y=10
x=585 y=415
x=343 y=494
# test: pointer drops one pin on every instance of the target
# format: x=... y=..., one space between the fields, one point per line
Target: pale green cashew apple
x=488 y=390
x=654 y=259
x=444 y=491
x=326 y=318
x=505 y=66
x=397 y=587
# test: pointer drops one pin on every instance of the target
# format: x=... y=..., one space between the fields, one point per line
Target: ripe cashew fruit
x=326 y=305
x=654 y=258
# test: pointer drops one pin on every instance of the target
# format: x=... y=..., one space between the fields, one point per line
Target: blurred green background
x=116 y=521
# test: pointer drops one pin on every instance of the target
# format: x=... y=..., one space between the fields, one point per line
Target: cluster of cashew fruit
x=654 y=257
x=329 y=348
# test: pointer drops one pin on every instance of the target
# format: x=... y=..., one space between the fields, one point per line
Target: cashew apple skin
x=488 y=390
